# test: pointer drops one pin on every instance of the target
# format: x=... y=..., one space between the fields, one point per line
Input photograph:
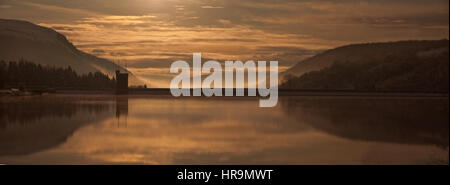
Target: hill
x=25 y=40
x=400 y=66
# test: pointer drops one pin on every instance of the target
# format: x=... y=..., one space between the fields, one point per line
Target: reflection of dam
x=397 y=120
x=39 y=123
x=122 y=110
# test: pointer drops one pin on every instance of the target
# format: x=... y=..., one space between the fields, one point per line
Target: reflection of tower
x=122 y=110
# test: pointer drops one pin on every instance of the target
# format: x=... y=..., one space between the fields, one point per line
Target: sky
x=150 y=34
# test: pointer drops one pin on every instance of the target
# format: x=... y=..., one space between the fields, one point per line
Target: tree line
x=24 y=74
x=410 y=73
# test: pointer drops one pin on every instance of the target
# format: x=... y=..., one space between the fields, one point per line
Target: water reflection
x=163 y=130
x=121 y=110
x=398 y=120
x=33 y=124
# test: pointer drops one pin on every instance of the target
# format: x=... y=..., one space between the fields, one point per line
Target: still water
x=145 y=129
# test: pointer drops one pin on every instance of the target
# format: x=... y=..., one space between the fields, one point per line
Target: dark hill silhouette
x=400 y=66
x=25 y=40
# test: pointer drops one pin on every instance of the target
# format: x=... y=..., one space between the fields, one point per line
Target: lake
x=149 y=129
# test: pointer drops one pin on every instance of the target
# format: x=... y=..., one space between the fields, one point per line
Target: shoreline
x=287 y=92
x=281 y=92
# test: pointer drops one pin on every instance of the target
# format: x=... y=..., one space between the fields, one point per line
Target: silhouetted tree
x=27 y=74
x=396 y=73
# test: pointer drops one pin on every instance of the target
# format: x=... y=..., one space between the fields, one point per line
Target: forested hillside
x=396 y=73
x=24 y=74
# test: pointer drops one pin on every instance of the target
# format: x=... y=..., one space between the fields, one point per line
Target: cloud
x=5 y=6
x=154 y=33
x=98 y=51
x=59 y=9
x=211 y=7
x=147 y=36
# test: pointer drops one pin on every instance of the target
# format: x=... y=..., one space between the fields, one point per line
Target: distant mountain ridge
x=399 y=66
x=359 y=52
x=25 y=40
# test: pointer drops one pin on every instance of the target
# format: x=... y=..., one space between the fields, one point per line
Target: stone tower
x=122 y=82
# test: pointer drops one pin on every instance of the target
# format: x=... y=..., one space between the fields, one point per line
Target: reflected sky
x=164 y=130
